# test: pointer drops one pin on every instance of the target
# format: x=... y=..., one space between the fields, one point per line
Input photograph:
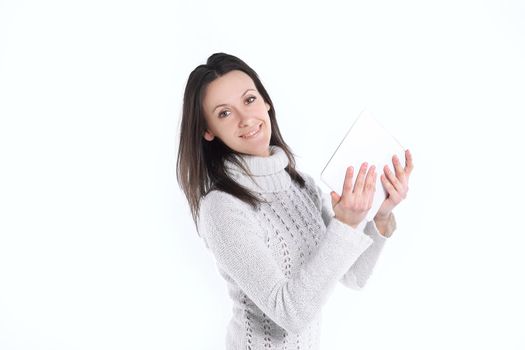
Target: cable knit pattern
x=282 y=260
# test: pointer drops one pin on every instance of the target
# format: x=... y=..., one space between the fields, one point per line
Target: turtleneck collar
x=268 y=172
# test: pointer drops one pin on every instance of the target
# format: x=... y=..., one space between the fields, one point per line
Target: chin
x=259 y=151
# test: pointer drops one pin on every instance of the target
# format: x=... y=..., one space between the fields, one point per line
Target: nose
x=245 y=117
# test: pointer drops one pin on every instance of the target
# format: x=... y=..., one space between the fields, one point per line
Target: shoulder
x=218 y=205
x=309 y=181
x=221 y=215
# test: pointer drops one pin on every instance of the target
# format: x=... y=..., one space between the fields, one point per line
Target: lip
x=256 y=130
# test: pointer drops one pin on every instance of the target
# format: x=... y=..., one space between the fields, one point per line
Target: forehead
x=228 y=87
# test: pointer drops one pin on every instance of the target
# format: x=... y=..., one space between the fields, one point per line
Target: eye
x=224 y=114
x=250 y=99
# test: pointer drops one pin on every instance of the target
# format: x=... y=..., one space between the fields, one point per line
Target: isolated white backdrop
x=97 y=246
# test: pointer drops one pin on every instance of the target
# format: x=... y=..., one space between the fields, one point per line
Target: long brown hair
x=200 y=163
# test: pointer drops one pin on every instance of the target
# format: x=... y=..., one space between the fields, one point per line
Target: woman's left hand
x=396 y=184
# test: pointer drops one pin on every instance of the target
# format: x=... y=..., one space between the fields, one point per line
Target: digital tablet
x=366 y=141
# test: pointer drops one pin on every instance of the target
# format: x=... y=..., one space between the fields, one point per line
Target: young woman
x=278 y=243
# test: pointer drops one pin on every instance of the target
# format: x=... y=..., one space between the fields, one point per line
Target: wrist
x=354 y=226
x=382 y=217
x=385 y=224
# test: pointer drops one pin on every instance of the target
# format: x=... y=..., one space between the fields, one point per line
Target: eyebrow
x=224 y=104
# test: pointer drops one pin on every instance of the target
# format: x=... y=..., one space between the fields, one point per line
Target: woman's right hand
x=356 y=200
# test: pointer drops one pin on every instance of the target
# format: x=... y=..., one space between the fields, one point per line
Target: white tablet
x=366 y=141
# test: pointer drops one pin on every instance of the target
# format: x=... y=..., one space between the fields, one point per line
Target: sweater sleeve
x=359 y=273
x=232 y=234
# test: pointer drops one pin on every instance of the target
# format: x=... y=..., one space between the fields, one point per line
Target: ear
x=208 y=135
x=268 y=107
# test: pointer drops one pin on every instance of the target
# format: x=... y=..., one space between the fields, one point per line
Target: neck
x=268 y=173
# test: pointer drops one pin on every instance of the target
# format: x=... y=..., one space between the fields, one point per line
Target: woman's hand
x=351 y=207
x=396 y=185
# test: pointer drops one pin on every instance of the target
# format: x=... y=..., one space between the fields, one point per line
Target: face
x=237 y=114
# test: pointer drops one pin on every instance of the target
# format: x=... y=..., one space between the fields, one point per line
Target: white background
x=97 y=246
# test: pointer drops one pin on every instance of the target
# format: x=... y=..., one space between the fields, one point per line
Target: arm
x=234 y=237
x=358 y=274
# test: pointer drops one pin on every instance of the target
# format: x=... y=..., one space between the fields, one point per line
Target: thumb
x=335 y=198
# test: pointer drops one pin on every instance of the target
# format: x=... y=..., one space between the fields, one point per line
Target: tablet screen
x=366 y=141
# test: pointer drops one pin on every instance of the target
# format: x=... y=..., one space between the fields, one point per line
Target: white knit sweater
x=283 y=260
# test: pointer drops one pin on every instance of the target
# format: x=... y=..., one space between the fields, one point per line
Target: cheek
x=262 y=109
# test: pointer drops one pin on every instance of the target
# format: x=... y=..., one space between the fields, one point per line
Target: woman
x=280 y=247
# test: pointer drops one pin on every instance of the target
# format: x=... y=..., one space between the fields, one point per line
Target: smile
x=252 y=133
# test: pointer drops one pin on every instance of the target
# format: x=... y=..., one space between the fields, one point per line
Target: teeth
x=252 y=133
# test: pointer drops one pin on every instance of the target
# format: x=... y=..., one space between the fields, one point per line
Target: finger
x=335 y=198
x=392 y=178
x=390 y=189
x=347 y=185
x=409 y=163
x=358 y=187
x=371 y=189
x=370 y=180
x=400 y=172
